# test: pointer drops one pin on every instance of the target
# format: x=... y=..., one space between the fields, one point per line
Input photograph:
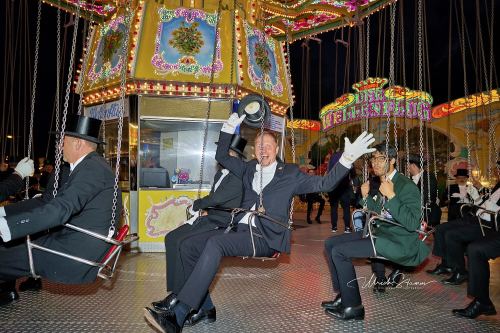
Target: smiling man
x=279 y=183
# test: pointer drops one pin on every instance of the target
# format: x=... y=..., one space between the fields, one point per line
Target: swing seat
x=254 y=213
x=107 y=265
x=372 y=221
x=482 y=223
x=272 y=257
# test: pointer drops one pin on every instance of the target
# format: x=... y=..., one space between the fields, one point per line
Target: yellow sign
x=161 y=211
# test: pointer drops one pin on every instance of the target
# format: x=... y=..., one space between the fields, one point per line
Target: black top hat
x=255 y=107
x=237 y=144
x=462 y=173
x=83 y=127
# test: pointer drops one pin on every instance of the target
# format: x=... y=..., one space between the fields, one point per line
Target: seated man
x=278 y=183
x=459 y=193
x=36 y=283
x=479 y=252
x=226 y=192
x=85 y=200
x=398 y=199
x=13 y=183
x=432 y=212
x=469 y=224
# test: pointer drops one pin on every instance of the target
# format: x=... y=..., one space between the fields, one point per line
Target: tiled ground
x=251 y=296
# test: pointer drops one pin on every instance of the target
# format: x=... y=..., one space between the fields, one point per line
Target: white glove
x=25 y=167
x=471 y=190
x=353 y=151
x=232 y=122
x=192 y=219
x=192 y=211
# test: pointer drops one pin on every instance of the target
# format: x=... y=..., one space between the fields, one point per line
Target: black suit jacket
x=287 y=182
x=10 y=186
x=85 y=200
x=228 y=195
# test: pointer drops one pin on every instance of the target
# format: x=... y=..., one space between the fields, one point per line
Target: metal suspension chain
x=261 y=208
x=86 y=52
x=58 y=69
x=366 y=119
x=288 y=77
x=403 y=60
x=60 y=142
x=434 y=161
x=492 y=147
x=33 y=90
x=466 y=89
x=392 y=82
x=209 y=108
x=420 y=87
x=123 y=91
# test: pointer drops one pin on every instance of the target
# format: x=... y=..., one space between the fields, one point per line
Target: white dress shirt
x=267 y=175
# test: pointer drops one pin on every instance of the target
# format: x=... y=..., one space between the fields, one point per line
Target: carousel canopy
x=303 y=17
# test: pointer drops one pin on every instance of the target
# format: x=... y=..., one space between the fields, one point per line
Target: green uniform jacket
x=400 y=244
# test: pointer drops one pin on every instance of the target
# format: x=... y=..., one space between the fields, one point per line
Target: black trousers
x=440 y=235
x=173 y=240
x=479 y=253
x=339 y=251
x=457 y=240
x=345 y=203
x=310 y=202
x=201 y=255
x=14 y=262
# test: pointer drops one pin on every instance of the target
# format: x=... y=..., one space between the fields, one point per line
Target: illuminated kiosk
x=168 y=84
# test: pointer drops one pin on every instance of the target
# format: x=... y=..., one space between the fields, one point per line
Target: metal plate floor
x=251 y=296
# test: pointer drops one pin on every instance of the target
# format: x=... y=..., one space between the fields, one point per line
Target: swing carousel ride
x=186 y=64
x=168 y=72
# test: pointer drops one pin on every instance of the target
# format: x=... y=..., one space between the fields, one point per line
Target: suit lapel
x=216 y=179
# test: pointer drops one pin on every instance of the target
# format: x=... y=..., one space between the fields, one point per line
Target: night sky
x=20 y=15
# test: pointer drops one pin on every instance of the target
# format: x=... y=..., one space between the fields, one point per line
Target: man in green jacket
x=398 y=199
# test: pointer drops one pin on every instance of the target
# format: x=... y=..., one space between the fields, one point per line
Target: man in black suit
x=279 y=183
x=226 y=192
x=432 y=212
x=85 y=200
x=460 y=193
x=450 y=239
x=14 y=182
x=479 y=252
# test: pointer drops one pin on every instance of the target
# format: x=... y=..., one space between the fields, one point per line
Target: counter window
x=170 y=153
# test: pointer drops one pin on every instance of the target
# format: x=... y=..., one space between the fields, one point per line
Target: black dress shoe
x=7 y=297
x=456 y=279
x=164 y=322
x=31 y=284
x=379 y=285
x=394 y=278
x=332 y=305
x=317 y=220
x=439 y=269
x=355 y=312
x=208 y=316
x=165 y=304
x=475 y=309
x=309 y=221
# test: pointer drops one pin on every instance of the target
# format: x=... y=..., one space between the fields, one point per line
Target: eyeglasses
x=378 y=159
